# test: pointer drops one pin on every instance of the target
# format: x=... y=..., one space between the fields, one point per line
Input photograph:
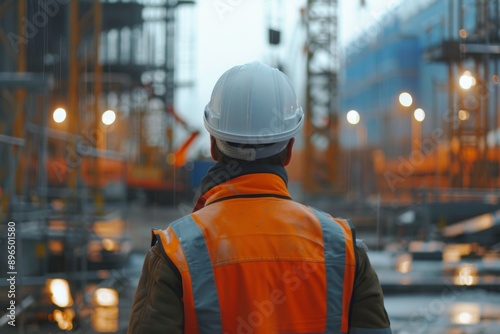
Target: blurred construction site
x=402 y=135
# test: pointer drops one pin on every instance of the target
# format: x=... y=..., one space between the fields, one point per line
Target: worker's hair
x=277 y=159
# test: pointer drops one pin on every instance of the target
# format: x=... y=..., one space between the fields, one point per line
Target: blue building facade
x=392 y=57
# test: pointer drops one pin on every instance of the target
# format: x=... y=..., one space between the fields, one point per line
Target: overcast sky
x=233 y=32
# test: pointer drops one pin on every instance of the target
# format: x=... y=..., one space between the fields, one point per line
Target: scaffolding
x=83 y=57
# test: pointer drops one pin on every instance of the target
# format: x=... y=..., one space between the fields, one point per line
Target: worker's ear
x=289 y=148
x=213 y=149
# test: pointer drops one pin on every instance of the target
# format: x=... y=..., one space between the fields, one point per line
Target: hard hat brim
x=265 y=136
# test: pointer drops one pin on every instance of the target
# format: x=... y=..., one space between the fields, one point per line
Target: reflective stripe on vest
x=206 y=300
x=334 y=245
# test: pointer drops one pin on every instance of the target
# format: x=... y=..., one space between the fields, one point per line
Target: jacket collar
x=226 y=180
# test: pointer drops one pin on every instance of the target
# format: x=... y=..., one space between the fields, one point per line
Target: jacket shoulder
x=322 y=214
x=156 y=233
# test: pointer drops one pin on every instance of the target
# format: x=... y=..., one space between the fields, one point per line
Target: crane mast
x=321 y=109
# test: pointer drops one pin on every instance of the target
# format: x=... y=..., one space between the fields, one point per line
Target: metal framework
x=321 y=114
x=477 y=49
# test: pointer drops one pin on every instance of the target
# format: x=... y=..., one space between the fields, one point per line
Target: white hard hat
x=253 y=104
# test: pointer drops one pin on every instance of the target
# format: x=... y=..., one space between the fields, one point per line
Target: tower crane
x=321 y=106
x=320 y=134
x=321 y=143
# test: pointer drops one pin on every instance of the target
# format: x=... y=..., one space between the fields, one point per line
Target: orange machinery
x=159 y=172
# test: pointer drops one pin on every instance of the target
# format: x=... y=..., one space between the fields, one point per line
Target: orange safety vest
x=254 y=261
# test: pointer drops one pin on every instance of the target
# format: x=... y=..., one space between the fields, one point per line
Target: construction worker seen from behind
x=249 y=259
